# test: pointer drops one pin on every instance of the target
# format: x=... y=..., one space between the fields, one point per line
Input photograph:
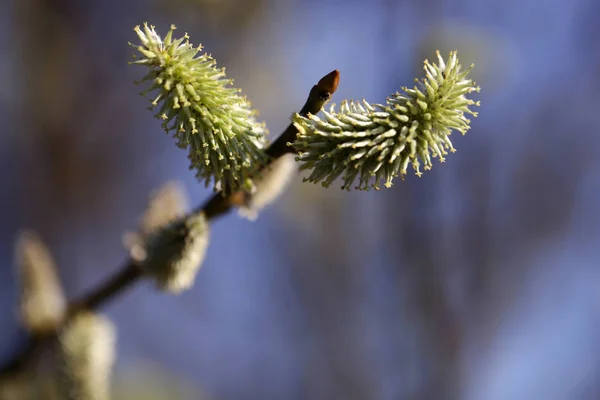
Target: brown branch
x=113 y=286
x=214 y=207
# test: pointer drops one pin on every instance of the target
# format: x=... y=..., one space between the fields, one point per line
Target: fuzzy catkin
x=174 y=252
x=376 y=142
x=201 y=109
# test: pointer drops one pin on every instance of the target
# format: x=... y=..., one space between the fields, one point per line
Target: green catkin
x=376 y=142
x=201 y=110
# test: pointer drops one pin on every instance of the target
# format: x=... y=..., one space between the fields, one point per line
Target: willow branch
x=213 y=208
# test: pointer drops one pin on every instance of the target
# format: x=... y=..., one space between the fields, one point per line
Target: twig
x=215 y=207
x=318 y=96
x=113 y=286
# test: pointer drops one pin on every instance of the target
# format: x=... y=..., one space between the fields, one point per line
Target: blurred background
x=478 y=281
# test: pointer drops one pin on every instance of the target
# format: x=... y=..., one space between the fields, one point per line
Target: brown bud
x=330 y=82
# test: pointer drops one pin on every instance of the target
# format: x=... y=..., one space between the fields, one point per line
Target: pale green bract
x=200 y=108
x=375 y=142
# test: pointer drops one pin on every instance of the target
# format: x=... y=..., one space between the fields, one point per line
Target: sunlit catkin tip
x=273 y=181
x=174 y=252
x=85 y=358
x=43 y=303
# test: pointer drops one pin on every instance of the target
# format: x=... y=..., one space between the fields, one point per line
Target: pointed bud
x=43 y=304
x=329 y=83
